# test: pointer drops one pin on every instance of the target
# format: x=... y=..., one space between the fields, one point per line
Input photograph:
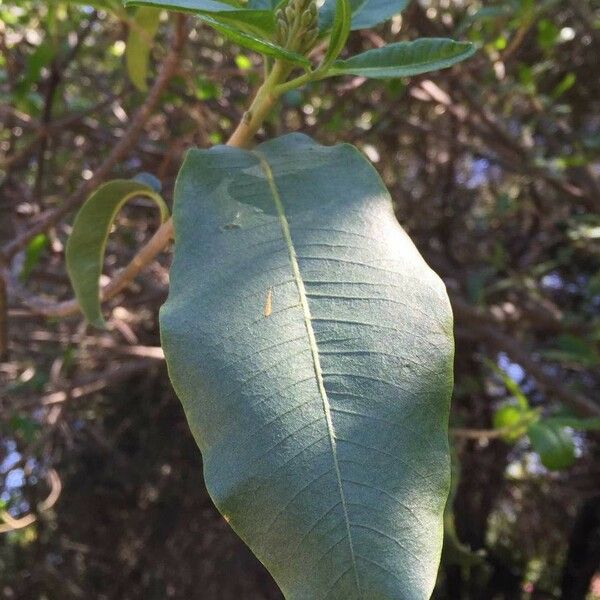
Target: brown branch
x=12 y=524
x=107 y=379
x=70 y=307
x=479 y=434
x=241 y=137
x=167 y=70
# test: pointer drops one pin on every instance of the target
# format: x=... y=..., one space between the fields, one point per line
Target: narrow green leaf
x=365 y=13
x=339 y=32
x=33 y=253
x=553 y=444
x=311 y=347
x=142 y=29
x=247 y=27
x=403 y=59
x=87 y=242
x=257 y=21
x=255 y=43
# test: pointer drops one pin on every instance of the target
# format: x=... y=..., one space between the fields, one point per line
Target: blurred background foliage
x=494 y=168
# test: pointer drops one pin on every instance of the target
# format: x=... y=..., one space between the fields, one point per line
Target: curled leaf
x=87 y=242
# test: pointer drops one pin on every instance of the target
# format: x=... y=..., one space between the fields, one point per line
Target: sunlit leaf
x=553 y=443
x=365 y=13
x=513 y=420
x=33 y=253
x=311 y=347
x=249 y=20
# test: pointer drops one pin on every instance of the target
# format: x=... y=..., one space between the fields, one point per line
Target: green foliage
x=553 y=443
x=87 y=242
x=550 y=437
x=143 y=28
x=234 y=14
x=312 y=348
x=33 y=253
x=248 y=27
x=365 y=13
x=339 y=32
x=309 y=342
x=263 y=28
x=405 y=58
x=253 y=42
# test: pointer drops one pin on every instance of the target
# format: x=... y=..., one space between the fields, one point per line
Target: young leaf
x=255 y=43
x=365 y=13
x=553 y=444
x=404 y=58
x=87 y=242
x=339 y=32
x=311 y=347
x=142 y=29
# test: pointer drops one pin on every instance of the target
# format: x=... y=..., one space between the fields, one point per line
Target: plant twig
x=12 y=524
x=167 y=70
x=242 y=136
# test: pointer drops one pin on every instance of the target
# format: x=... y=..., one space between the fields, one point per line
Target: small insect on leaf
x=268 y=308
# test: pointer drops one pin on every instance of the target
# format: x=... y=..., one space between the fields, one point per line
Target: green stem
x=266 y=96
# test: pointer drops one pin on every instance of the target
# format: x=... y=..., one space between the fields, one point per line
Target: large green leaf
x=311 y=347
x=365 y=13
x=87 y=242
x=403 y=59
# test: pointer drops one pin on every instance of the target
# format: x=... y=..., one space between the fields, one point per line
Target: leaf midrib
x=285 y=230
x=343 y=64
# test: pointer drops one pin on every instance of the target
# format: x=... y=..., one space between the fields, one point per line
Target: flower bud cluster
x=297 y=28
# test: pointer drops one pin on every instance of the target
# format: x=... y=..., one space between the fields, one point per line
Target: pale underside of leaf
x=322 y=420
x=314 y=350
